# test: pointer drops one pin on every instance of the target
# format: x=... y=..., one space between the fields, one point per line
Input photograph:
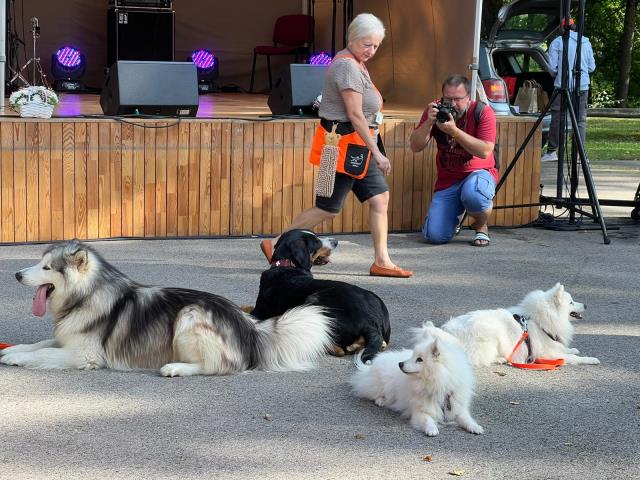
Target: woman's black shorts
x=373 y=183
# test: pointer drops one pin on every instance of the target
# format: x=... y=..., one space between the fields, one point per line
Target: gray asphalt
x=574 y=423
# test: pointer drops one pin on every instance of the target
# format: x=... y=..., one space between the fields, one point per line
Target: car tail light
x=495 y=90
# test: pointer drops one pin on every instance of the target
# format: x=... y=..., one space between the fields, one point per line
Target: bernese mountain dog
x=360 y=317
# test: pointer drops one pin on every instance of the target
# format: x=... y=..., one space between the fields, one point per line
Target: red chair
x=292 y=35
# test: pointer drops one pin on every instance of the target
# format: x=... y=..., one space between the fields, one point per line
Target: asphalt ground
x=574 y=423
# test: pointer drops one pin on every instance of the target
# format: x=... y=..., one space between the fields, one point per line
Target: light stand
x=567 y=105
x=34 y=61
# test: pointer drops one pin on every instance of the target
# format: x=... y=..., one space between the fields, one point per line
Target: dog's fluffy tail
x=295 y=340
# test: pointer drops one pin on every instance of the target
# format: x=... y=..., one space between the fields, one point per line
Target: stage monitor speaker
x=297 y=88
x=151 y=88
x=138 y=34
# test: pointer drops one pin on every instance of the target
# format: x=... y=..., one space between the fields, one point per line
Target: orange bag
x=354 y=156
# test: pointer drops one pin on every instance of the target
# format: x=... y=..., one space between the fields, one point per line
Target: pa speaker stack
x=140 y=88
x=296 y=90
x=140 y=30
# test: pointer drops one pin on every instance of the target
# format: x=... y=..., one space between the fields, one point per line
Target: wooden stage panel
x=92 y=178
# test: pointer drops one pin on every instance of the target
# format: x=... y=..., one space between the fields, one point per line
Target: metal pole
x=3 y=51
x=476 y=50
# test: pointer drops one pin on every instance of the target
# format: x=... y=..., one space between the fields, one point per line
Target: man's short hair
x=457 y=80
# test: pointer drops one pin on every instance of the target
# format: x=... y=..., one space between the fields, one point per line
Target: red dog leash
x=5 y=345
x=532 y=364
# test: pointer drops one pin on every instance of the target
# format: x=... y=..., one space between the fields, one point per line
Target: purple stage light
x=320 y=59
x=203 y=59
x=69 y=57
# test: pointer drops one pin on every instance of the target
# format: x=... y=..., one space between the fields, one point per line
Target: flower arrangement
x=34 y=101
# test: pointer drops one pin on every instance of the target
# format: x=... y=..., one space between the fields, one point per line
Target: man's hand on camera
x=433 y=111
x=449 y=127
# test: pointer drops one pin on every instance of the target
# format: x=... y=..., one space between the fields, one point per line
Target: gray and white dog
x=103 y=319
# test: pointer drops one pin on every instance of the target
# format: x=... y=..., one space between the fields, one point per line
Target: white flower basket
x=35 y=102
x=36 y=110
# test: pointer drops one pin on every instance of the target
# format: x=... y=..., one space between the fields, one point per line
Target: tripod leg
x=586 y=170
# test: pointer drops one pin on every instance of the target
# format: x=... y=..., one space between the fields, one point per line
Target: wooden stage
x=233 y=171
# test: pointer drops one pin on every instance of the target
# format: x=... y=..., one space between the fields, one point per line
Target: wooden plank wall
x=104 y=179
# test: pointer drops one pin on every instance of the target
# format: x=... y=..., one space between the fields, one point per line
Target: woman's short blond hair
x=365 y=25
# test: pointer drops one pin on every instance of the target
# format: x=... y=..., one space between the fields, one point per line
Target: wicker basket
x=36 y=110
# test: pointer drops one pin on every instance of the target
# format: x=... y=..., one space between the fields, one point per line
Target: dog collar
x=285 y=262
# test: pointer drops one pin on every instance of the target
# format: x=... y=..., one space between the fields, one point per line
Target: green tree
x=626 y=45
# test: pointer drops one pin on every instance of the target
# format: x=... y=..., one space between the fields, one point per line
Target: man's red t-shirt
x=453 y=162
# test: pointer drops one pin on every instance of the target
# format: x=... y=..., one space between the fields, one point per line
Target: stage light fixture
x=207 y=66
x=68 y=67
x=320 y=59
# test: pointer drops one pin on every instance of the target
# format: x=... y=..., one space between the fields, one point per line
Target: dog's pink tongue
x=39 y=307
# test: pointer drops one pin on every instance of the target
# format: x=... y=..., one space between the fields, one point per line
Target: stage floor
x=217 y=106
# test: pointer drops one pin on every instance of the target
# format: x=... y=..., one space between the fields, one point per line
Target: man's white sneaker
x=550 y=157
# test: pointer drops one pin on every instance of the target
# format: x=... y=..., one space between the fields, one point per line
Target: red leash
x=5 y=345
x=537 y=363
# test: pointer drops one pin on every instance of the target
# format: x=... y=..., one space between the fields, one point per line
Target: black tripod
x=567 y=105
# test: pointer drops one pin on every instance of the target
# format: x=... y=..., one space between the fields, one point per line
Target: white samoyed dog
x=431 y=384
x=489 y=336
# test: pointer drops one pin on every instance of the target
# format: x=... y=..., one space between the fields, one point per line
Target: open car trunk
x=517 y=65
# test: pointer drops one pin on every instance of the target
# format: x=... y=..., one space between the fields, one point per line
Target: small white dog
x=430 y=384
x=489 y=336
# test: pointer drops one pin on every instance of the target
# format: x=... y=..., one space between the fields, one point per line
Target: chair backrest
x=293 y=30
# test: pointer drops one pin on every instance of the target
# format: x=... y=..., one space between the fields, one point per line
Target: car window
x=531 y=22
x=527 y=63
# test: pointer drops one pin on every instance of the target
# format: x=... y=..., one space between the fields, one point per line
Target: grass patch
x=613 y=139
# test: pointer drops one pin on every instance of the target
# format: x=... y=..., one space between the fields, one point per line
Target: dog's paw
x=171 y=370
x=474 y=428
x=431 y=430
x=379 y=401
x=18 y=359
x=90 y=366
x=180 y=370
x=590 y=361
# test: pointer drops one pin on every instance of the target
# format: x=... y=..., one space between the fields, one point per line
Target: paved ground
x=575 y=423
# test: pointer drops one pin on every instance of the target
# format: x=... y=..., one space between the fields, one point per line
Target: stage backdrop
x=426 y=39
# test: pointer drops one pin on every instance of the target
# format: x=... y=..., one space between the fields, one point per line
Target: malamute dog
x=430 y=384
x=489 y=336
x=102 y=319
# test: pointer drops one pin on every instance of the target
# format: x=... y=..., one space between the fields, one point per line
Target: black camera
x=444 y=109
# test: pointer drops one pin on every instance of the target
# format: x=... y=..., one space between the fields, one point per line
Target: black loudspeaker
x=297 y=88
x=151 y=88
x=137 y=34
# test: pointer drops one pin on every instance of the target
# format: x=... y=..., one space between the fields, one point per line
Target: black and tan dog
x=361 y=319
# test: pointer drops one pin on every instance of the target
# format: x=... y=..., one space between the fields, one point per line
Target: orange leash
x=5 y=345
x=537 y=363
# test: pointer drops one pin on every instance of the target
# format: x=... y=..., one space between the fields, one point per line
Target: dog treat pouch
x=353 y=154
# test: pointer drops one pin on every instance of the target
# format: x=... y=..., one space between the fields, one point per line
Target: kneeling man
x=465 y=135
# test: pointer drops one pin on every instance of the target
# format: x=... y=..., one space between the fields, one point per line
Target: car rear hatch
x=526 y=22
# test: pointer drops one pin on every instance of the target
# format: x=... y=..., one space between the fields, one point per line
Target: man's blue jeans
x=473 y=194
